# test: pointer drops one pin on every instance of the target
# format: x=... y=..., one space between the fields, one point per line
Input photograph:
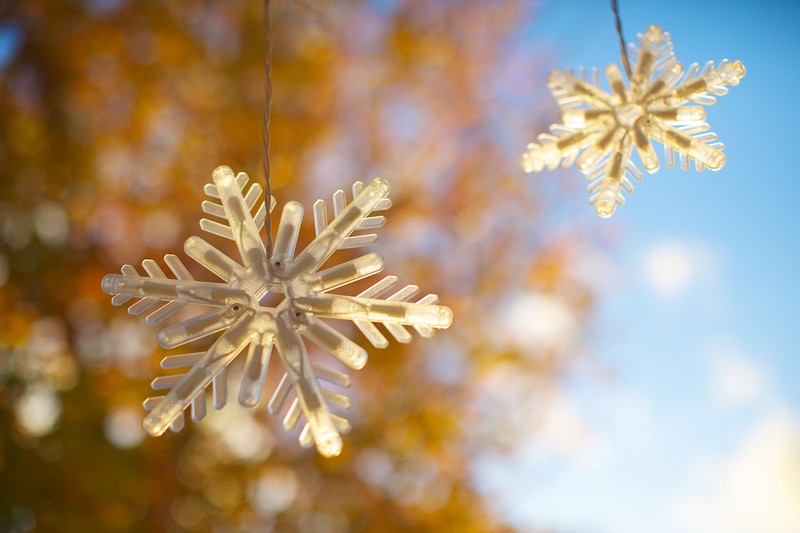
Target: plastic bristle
x=332 y=376
x=120 y=299
x=260 y=217
x=216 y=228
x=279 y=396
x=152 y=268
x=383 y=205
x=181 y=361
x=165 y=382
x=380 y=288
x=334 y=398
x=358 y=241
x=178 y=424
x=292 y=416
x=166 y=311
x=372 y=223
x=211 y=190
x=241 y=180
x=373 y=334
x=143 y=305
x=426 y=331
x=150 y=403
x=404 y=294
x=399 y=332
x=213 y=209
x=177 y=267
x=199 y=407
x=253 y=194
x=220 y=389
x=339 y=202
x=320 y=216
x=305 y=439
x=342 y=424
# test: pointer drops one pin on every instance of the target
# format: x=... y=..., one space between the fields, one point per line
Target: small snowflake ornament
x=599 y=129
x=243 y=310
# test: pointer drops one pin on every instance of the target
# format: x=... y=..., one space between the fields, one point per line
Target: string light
x=599 y=129
x=240 y=309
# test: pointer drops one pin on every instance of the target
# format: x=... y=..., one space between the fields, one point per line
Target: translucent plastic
x=255 y=370
x=331 y=306
x=199 y=377
x=599 y=128
x=239 y=315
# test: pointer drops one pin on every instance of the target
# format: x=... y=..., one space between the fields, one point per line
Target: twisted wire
x=625 y=61
x=265 y=140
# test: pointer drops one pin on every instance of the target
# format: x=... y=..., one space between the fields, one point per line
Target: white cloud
x=595 y=267
x=534 y=320
x=736 y=379
x=671 y=268
x=564 y=430
x=615 y=427
x=757 y=489
x=520 y=411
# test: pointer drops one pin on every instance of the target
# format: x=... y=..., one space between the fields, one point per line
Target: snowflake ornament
x=243 y=308
x=599 y=129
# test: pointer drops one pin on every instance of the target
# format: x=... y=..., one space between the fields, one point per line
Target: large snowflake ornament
x=599 y=129
x=242 y=307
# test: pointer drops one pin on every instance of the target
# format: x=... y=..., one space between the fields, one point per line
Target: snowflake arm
x=599 y=129
x=153 y=291
x=307 y=390
x=194 y=383
x=241 y=224
x=373 y=310
x=239 y=315
x=347 y=221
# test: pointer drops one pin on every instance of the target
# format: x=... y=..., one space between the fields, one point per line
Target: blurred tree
x=112 y=116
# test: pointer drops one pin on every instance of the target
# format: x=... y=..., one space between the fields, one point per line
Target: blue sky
x=699 y=430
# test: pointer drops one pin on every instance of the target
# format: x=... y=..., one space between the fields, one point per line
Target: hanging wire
x=265 y=135
x=625 y=61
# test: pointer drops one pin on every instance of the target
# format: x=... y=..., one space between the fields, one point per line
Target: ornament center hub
x=628 y=114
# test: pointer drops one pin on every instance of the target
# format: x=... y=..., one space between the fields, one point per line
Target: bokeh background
x=630 y=375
